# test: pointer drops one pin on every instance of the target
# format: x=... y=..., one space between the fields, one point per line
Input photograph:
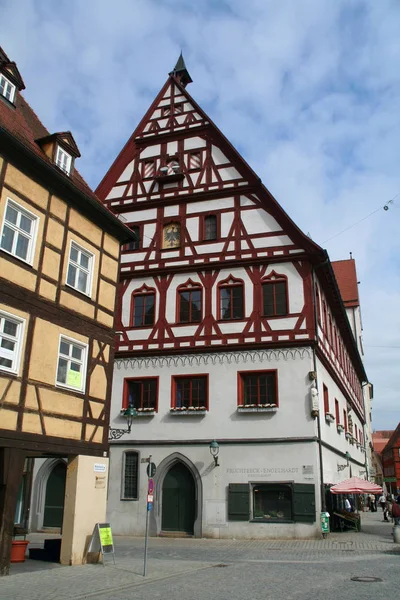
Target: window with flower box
x=258 y=390
x=189 y=393
x=141 y=393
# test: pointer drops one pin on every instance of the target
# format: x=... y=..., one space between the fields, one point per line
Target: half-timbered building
x=59 y=255
x=232 y=330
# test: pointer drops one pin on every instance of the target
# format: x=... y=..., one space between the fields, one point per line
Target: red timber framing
x=177 y=167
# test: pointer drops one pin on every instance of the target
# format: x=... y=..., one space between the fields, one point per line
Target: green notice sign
x=74 y=379
x=105 y=535
x=389 y=479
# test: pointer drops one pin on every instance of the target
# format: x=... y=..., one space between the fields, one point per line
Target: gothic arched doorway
x=178 y=500
x=54 y=498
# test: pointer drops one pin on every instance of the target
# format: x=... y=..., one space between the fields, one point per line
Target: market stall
x=344 y=519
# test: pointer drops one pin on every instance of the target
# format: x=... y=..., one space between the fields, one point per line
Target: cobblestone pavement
x=197 y=568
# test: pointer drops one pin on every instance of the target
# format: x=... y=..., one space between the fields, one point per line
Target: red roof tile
x=380 y=439
x=346 y=277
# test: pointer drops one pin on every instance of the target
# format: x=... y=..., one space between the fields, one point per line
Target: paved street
x=224 y=569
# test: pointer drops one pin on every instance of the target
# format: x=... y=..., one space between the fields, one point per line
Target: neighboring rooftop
x=380 y=439
x=346 y=277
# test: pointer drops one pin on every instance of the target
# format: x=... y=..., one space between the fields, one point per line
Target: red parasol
x=355 y=485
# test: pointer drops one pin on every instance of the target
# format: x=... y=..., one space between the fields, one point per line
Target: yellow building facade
x=59 y=261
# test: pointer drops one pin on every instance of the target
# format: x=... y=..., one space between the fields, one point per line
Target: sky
x=308 y=91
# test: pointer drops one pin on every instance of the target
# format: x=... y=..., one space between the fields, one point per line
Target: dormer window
x=63 y=160
x=7 y=89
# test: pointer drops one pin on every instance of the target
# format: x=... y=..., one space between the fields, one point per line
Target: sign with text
x=102 y=540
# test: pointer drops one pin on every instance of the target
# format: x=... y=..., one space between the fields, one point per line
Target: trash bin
x=325 y=523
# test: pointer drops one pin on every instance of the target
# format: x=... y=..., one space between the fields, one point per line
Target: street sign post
x=151 y=471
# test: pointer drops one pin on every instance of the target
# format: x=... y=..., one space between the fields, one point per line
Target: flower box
x=188 y=410
x=146 y=412
x=340 y=428
x=256 y=408
x=329 y=418
x=349 y=436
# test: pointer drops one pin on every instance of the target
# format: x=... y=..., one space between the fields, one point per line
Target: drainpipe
x=321 y=465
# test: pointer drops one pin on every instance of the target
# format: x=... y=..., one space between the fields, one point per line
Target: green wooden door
x=54 y=500
x=178 y=500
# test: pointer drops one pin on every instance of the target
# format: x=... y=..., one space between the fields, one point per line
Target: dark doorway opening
x=54 y=499
x=178 y=500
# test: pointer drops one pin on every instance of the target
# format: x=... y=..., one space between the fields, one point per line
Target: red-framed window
x=329 y=332
x=257 y=388
x=231 y=299
x=141 y=393
x=135 y=244
x=345 y=420
x=142 y=308
x=189 y=303
x=326 y=399
x=337 y=413
x=275 y=296
x=318 y=303
x=356 y=431
x=190 y=391
x=209 y=227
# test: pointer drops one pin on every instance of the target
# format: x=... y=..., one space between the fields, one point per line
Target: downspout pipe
x=319 y=440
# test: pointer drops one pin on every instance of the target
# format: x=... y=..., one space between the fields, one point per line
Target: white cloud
x=308 y=91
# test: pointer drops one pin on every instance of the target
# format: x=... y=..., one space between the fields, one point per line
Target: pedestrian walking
x=396 y=511
x=382 y=502
x=388 y=509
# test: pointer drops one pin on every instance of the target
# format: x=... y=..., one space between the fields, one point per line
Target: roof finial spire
x=180 y=72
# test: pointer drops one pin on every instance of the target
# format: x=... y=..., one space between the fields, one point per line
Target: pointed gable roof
x=144 y=134
x=64 y=139
x=157 y=126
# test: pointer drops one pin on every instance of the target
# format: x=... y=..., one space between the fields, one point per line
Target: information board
x=102 y=540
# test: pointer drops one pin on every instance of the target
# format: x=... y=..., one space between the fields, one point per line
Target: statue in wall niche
x=314 y=400
x=350 y=424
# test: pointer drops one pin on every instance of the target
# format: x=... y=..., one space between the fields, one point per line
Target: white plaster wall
x=330 y=435
x=259 y=221
x=222 y=421
x=261 y=463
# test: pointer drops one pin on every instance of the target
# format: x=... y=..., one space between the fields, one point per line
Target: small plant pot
x=18 y=550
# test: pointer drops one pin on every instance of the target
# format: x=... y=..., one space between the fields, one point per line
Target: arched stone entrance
x=47 y=504
x=178 y=500
x=178 y=497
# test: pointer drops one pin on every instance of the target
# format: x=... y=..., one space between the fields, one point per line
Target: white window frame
x=16 y=354
x=84 y=347
x=78 y=267
x=60 y=154
x=8 y=85
x=33 y=235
